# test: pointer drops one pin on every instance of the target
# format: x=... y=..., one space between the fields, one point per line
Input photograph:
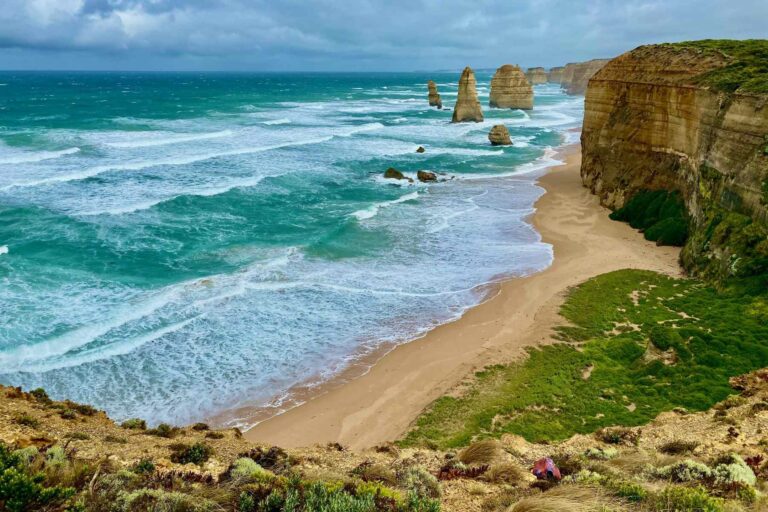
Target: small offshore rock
x=425 y=176
x=394 y=174
x=420 y=149
x=499 y=136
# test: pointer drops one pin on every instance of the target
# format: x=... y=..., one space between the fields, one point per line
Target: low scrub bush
x=676 y=497
x=678 y=447
x=26 y=420
x=163 y=430
x=419 y=481
x=481 y=452
x=22 y=491
x=194 y=454
x=660 y=214
x=134 y=424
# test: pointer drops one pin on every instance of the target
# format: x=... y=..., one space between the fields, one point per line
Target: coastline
x=366 y=406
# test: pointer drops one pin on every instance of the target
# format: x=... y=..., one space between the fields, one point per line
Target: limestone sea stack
x=510 y=89
x=576 y=75
x=434 y=96
x=537 y=76
x=499 y=136
x=555 y=75
x=467 y=105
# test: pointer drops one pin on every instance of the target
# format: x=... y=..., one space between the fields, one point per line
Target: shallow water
x=176 y=245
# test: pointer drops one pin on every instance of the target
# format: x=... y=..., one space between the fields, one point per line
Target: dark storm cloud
x=363 y=34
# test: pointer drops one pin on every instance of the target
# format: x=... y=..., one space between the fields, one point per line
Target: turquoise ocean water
x=176 y=245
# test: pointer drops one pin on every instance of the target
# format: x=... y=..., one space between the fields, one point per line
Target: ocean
x=177 y=245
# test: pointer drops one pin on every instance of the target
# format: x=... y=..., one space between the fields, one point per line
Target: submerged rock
x=467 y=105
x=424 y=176
x=420 y=149
x=499 y=136
x=434 y=96
x=510 y=89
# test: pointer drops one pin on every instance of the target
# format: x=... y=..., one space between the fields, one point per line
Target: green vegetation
x=651 y=343
x=194 y=454
x=747 y=71
x=55 y=480
x=660 y=214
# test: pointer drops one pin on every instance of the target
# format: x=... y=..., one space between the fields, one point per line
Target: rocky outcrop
x=536 y=76
x=576 y=75
x=394 y=174
x=433 y=95
x=510 y=89
x=425 y=176
x=467 y=105
x=499 y=136
x=650 y=122
x=555 y=75
x=420 y=149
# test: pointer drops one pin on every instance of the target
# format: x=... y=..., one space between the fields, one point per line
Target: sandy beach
x=380 y=405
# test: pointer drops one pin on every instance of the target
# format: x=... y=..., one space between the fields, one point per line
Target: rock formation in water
x=425 y=176
x=555 y=75
x=420 y=149
x=434 y=96
x=536 y=76
x=659 y=118
x=576 y=75
x=467 y=105
x=510 y=89
x=499 y=136
x=394 y=174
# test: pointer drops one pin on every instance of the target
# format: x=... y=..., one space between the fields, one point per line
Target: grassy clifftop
x=748 y=67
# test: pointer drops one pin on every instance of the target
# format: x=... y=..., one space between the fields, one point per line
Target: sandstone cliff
x=536 y=76
x=499 y=136
x=576 y=75
x=555 y=75
x=674 y=117
x=510 y=89
x=467 y=105
x=433 y=95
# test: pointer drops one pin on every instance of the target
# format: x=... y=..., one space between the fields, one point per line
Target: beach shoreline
x=378 y=398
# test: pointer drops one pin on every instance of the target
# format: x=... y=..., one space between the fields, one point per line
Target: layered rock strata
x=576 y=75
x=555 y=75
x=536 y=76
x=433 y=96
x=651 y=124
x=467 y=105
x=499 y=136
x=510 y=89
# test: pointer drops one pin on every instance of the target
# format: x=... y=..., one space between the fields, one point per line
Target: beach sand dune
x=380 y=405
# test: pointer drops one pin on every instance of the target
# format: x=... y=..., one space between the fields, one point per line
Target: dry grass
x=506 y=473
x=563 y=498
x=481 y=452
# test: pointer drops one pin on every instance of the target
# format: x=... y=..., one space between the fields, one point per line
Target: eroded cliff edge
x=689 y=117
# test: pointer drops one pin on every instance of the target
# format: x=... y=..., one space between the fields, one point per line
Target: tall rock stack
x=434 y=96
x=510 y=89
x=467 y=105
x=579 y=75
x=536 y=76
x=555 y=75
x=567 y=77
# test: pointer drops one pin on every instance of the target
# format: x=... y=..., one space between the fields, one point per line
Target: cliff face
x=433 y=96
x=510 y=89
x=536 y=76
x=576 y=75
x=555 y=75
x=467 y=105
x=650 y=123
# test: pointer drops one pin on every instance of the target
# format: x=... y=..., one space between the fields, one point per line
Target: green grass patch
x=747 y=71
x=653 y=343
x=660 y=214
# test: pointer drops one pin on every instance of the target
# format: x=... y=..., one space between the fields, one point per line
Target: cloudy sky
x=315 y=35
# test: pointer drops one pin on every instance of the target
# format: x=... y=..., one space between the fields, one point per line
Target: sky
x=352 y=35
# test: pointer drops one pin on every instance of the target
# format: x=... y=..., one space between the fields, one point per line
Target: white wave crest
x=277 y=121
x=175 y=139
x=39 y=156
x=3 y=249
x=373 y=210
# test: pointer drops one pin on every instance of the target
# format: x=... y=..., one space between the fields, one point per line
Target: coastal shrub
x=481 y=452
x=419 y=481
x=160 y=500
x=68 y=414
x=214 y=435
x=194 y=454
x=601 y=453
x=660 y=214
x=134 y=424
x=630 y=491
x=684 y=471
x=163 y=430
x=21 y=490
x=546 y=398
x=247 y=469
x=26 y=420
x=144 y=466
x=676 y=497
x=85 y=410
x=747 y=70
x=40 y=395
x=678 y=447
x=115 y=439
x=618 y=435
x=200 y=426
x=731 y=470
x=375 y=473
